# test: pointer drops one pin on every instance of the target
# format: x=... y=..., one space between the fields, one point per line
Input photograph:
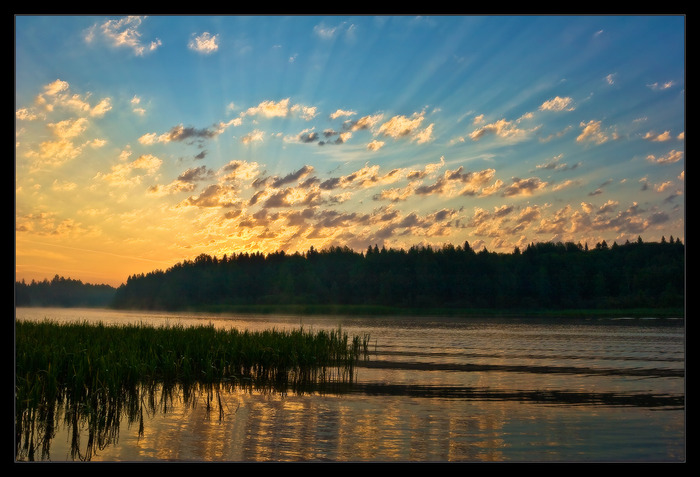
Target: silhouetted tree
x=544 y=275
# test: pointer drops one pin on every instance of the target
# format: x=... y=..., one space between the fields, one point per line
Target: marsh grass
x=88 y=377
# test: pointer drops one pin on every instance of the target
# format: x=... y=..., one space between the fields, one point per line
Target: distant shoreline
x=379 y=311
x=372 y=310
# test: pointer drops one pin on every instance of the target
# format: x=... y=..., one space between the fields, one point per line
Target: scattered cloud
x=661 y=86
x=501 y=128
x=123 y=33
x=669 y=158
x=557 y=104
x=664 y=136
x=121 y=174
x=376 y=180
x=524 y=186
x=592 y=132
x=206 y=43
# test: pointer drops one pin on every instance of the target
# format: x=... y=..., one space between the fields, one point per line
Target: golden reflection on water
x=283 y=428
x=264 y=426
x=500 y=426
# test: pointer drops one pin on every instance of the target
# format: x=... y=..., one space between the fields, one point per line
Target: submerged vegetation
x=87 y=376
x=544 y=276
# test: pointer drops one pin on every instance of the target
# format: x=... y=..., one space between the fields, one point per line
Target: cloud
x=333 y=219
x=181 y=133
x=269 y=109
x=375 y=145
x=564 y=185
x=206 y=43
x=56 y=95
x=501 y=128
x=292 y=197
x=402 y=126
x=331 y=32
x=395 y=194
x=69 y=128
x=292 y=177
x=48 y=224
x=306 y=112
x=280 y=109
x=364 y=123
x=457 y=182
x=63 y=186
x=487 y=224
x=135 y=101
x=121 y=174
x=664 y=136
x=557 y=104
x=663 y=186
x=339 y=112
x=609 y=206
x=627 y=221
x=215 y=195
x=340 y=137
x=658 y=218
x=239 y=170
x=195 y=174
x=54 y=153
x=308 y=136
x=557 y=224
x=555 y=164
x=529 y=214
x=58 y=86
x=670 y=158
x=425 y=135
x=124 y=33
x=451 y=183
x=427 y=170
x=253 y=136
x=26 y=114
x=524 y=187
x=367 y=176
x=592 y=132
x=661 y=86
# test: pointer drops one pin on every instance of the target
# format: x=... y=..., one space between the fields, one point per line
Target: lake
x=434 y=390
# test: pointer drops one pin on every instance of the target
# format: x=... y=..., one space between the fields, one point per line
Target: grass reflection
x=90 y=377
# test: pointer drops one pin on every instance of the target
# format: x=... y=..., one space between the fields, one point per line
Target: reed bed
x=92 y=374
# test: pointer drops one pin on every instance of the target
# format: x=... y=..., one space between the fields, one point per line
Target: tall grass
x=91 y=374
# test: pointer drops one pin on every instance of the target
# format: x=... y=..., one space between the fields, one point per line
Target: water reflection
x=411 y=424
x=450 y=391
x=92 y=426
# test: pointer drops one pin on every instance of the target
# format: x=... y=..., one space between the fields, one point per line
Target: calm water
x=438 y=389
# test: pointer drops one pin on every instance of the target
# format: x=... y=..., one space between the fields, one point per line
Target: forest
x=543 y=276
x=63 y=292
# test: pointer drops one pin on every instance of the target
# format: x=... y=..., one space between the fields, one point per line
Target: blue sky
x=145 y=141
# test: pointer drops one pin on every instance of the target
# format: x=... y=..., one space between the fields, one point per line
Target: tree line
x=63 y=292
x=542 y=276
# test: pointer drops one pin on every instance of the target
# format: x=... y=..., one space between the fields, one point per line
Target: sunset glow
x=145 y=141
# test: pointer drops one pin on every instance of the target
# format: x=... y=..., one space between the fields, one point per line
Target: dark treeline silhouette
x=543 y=276
x=63 y=292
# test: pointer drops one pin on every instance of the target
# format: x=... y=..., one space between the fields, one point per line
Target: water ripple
x=416 y=366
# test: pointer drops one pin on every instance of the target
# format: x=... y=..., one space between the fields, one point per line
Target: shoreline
x=373 y=310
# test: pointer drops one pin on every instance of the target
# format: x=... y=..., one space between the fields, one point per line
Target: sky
x=142 y=142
